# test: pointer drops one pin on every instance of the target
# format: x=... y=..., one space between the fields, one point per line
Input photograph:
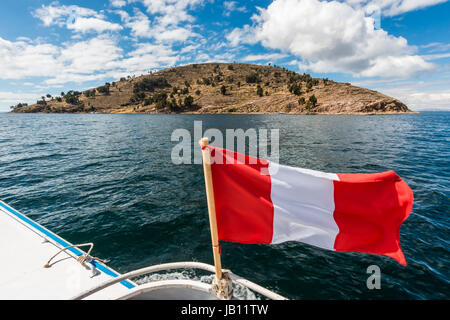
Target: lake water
x=109 y=179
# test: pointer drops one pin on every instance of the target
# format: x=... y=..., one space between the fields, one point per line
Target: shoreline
x=238 y=113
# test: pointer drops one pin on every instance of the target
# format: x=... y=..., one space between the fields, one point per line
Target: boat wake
x=239 y=291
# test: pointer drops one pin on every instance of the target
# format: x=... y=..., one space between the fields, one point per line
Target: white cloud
x=23 y=39
x=92 y=24
x=436 y=56
x=223 y=57
x=101 y=58
x=139 y=23
x=402 y=66
x=241 y=35
x=418 y=100
x=90 y=56
x=175 y=34
x=22 y=59
x=19 y=60
x=417 y=95
x=118 y=3
x=75 y=18
x=171 y=12
x=268 y=56
x=55 y=14
x=331 y=37
x=142 y=27
x=429 y=100
x=203 y=57
x=166 y=7
x=231 y=6
x=148 y=56
x=189 y=48
x=94 y=59
x=392 y=7
x=16 y=97
x=436 y=47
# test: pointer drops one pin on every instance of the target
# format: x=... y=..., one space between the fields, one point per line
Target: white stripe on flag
x=303 y=202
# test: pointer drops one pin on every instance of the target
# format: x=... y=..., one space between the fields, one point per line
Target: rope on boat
x=223 y=288
x=81 y=259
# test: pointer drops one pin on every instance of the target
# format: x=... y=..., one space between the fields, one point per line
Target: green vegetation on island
x=219 y=88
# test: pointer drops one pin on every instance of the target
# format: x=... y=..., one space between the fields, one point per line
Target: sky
x=398 y=47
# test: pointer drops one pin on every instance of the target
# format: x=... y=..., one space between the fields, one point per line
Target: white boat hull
x=26 y=247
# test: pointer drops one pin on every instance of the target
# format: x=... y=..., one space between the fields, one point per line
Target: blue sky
x=398 y=47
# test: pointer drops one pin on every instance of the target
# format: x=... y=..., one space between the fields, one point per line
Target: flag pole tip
x=204 y=142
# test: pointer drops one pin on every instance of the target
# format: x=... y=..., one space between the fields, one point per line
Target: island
x=220 y=88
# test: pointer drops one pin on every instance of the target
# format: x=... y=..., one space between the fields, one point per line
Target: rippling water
x=109 y=179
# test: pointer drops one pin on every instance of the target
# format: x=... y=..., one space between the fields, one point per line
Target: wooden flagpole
x=211 y=206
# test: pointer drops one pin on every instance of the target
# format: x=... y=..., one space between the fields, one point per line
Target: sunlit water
x=109 y=179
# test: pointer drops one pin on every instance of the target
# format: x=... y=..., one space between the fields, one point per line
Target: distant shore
x=236 y=113
x=214 y=88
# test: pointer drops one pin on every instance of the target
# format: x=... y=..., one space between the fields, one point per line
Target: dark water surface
x=109 y=179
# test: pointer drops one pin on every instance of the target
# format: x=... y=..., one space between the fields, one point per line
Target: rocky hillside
x=220 y=88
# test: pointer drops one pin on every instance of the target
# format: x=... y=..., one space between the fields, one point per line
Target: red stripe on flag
x=244 y=209
x=369 y=210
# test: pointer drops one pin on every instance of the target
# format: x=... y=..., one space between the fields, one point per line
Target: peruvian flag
x=258 y=201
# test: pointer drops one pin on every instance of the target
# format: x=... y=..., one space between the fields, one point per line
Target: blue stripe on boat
x=64 y=243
